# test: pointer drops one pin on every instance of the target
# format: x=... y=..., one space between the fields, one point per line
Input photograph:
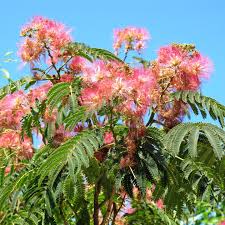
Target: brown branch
x=106 y=146
x=96 y=205
x=150 y=121
x=52 y=60
x=109 y=208
x=116 y=211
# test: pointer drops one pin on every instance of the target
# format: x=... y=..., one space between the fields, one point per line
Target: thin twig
x=150 y=121
x=64 y=63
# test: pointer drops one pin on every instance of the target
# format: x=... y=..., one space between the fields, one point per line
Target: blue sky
x=185 y=21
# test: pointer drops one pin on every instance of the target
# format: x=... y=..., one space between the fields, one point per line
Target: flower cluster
x=12 y=109
x=108 y=138
x=183 y=66
x=178 y=67
x=43 y=36
x=77 y=64
x=132 y=38
x=125 y=91
x=39 y=93
x=106 y=83
x=11 y=139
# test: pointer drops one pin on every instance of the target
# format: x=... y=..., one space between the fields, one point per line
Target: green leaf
x=80 y=49
x=203 y=104
x=57 y=93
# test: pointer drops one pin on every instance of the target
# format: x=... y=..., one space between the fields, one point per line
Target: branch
x=64 y=63
x=116 y=211
x=52 y=60
x=96 y=205
x=125 y=57
x=109 y=208
x=150 y=121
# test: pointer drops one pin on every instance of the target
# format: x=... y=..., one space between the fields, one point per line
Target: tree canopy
x=114 y=146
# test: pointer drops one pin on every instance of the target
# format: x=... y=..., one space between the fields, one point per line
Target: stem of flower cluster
x=52 y=60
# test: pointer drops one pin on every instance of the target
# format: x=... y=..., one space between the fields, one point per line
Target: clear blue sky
x=189 y=21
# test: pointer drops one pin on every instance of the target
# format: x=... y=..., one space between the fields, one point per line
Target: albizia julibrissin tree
x=113 y=145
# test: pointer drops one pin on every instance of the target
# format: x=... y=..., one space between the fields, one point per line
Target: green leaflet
x=202 y=104
x=79 y=148
x=14 y=86
x=74 y=117
x=89 y=53
x=57 y=93
x=177 y=135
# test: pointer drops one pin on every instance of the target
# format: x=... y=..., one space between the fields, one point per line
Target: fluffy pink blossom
x=30 y=50
x=183 y=65
x=68 y=78
x=92 y=97
x=11 y=139
x=50 y=117
x=108 y=81
x=178 y=67
x=39 y=93
x=41 y=33
x=77 y=64
x=7 y=170
x=12 y=108
x=108 y=138
x=132 y=38
x=160 y=204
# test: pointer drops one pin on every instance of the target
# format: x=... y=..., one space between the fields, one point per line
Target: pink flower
x=50 y=116
x=178 y=67
x=183 y=65
x=30 y=50
x=222 y=222
x=132 y=38
x=12 y=108
x=66 y=78
x=77 y=64
x=11 y=139
x=200 y=66
x=105 y=82
x=160 y=204
x=39 y=93
x=7 y=170
x=42 y=33
x=91 y=97
x=108 y=138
